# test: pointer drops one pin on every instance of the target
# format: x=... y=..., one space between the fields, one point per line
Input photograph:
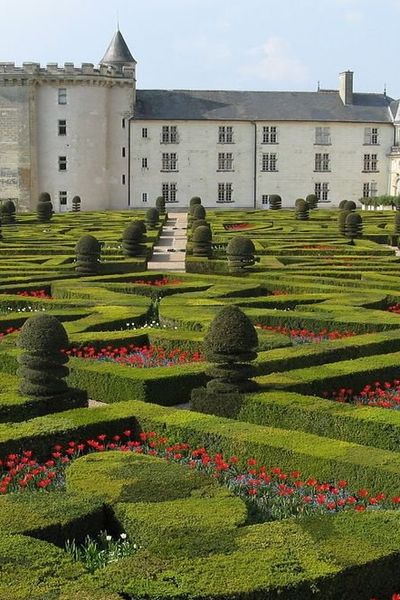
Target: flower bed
x=137 y=356
x=271 y=494
x=305 y=336
x=386 y=395
x=41 y=294
x=236 y=226
x=8 y=331
x=157 y=282
x=395 y=308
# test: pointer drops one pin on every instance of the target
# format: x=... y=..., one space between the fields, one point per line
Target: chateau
x=88 y=131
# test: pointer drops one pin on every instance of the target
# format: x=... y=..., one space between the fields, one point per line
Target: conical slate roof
x=117 y=52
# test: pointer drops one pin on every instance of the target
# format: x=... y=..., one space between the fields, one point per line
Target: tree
x=240 y=252
x=275 y=202
x=76 y=204
x=160 y=205
x=353 y=226
x=152 y=218
x=312 y=201
x=88 y=250
x=44 y=208
x=302 y=210
x=7 y=212
x=202 y=238
x=132 y=239
x=342 y=221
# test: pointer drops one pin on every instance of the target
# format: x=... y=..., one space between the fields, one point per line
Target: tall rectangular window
x=370 y=163
x=169 y=161
x=225 y=161
x=169 y=134
x=264 y=199
x=144 y=197
x=62 y=127
x=123 y=123
x=123 y=179
x=322 y=135
x=62 y=163
x=371 y=136
x=370 y=189
x=144 y=132
x=269 y=162
x=321 y=190
x=169 y=192
x=225 y=193
x=62 y=95
x=63 y=198
x=225 y=134
x=145 y=164
x=321 y=162
x=123 y=151
x=270 y=134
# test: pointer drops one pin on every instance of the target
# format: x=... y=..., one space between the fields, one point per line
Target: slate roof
x=261 y=106
x=117 y=52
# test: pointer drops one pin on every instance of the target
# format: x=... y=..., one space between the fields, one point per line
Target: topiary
x=160 y=205
x=194 y=200
x=76 y=204
x=240 y=252
x=349 y=205
x=199 y=223
x=302 y=210
x=152 y=217
x=7 y=212
x=42 y=369
x=312 y=201
x=342 y=221
x=132 y=239
x=202 y=238
x=275 y=202
x=88 y=250
x=397 y=222
x=298 y=200
x=198 y=212
x=342 y=204
x=44 y=208
x=353 y=226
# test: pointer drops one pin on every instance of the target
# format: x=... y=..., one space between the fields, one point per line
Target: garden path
x=169 y=254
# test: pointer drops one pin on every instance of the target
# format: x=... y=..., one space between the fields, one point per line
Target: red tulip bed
x=237 y=226
x=271 y=494
x=395 y=308
x=157 y=282
x=8 y=331
x=41 y=294
x=305 y=336
x=137 y=356
x=386 y=395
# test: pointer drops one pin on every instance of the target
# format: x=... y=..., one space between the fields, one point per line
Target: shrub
x=353 y=226
x=132 y=239
x=297 y=201
x=349 y=205
x=312 y=201
x=44 y=208
x=88 y=251
x=342 y=204
x=275 y=202
x=200 y=223
x=202 y=239
x=160 y=205
x=198 y=212
x=7 y=212
x=152 y=217
x=76 y=204
x=342 y=221
x=240 y=252
x=302 y=210
x=397 y=222
x=194 y=201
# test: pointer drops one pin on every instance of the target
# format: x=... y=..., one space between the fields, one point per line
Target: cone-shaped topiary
x=397 y=222
x=275 y=202
x=349 y=205
x=342 y=204
x=202 y=238
x=44 y=208
x=353 y=226
x=88 y=250
x=230 y=341
x=132 y=239
x=312 y=201
x=342 y=221
x=7 y=212
x=240 y=252
x=152 y=218
x=302 y=210
x=76 y=204
x=160 y=205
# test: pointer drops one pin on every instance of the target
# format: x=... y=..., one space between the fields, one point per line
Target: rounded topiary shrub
x=297 y=201
x=7 y=212
x=160 y=205
x=44 y=208
x=202 y=239
x=342 y=221
x=194 y=200
x=152 y=218
x=312 y=201
x=199 y=223
x=76 y=204
x=240 y=252
x=132 y=239
x=342 y=204
x=198 y=212
x=88 y=250
x=275 y=202
x=349 y=205
x=353 y=226
x=302 y=210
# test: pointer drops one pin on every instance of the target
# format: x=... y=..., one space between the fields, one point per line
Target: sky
x=216 y=44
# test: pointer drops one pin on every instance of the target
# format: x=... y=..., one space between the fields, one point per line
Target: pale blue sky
x=217 y=44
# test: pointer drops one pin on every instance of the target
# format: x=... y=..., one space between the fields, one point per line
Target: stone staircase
x=169 y=254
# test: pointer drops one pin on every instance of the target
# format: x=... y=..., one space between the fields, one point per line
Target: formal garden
x=227 y=432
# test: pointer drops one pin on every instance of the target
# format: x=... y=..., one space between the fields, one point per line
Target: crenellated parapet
x=33 y=73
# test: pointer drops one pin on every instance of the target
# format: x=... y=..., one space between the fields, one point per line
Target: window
x=370 y=189
x=321 y=190
x=322 y=135
x=123 y=123
x=63 y=197
x=225 y=135
x=169 y=134
x=144 y=197
x=144 y=132
x=62 y=95
x=62 y=163
x=62 y=127
x=269 y=161
x=321 y=162
x=371 y=136
x=123 y=180
x=225 y=161
x=224 y=192
x=123 y=151
x=145 y=164
x=169 y=162
x=264 y=199
x=169 y=192
x=370 y=162
x=270 y=135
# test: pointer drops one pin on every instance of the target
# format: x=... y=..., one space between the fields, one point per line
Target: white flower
x=108 y=538
x=123 y=536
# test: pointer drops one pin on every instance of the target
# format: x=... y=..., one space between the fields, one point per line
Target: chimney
x=346 y=87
